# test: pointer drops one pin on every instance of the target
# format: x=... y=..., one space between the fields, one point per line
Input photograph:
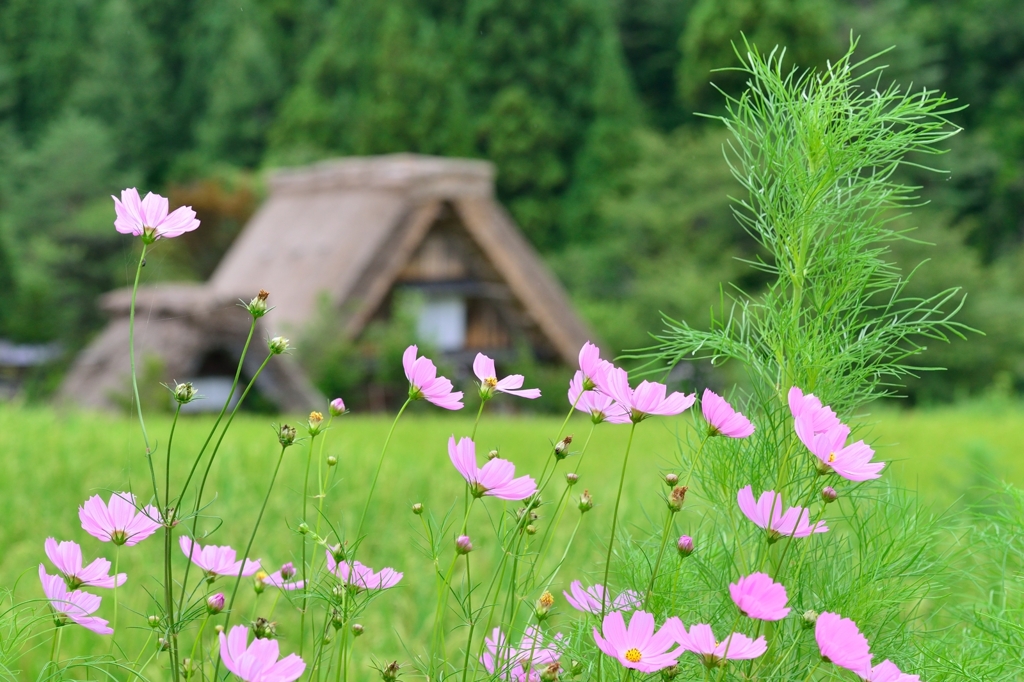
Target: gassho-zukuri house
x=355 y=231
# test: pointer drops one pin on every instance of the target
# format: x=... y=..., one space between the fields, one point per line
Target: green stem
x=131 y=346
x=168 y=514
x=661 y=554
x=199 y=637
x=811 y=673
x=380 y=463
x=53 y=645
x=305 y=500
x=113 y=626
x=476 y=423
x=472 y=620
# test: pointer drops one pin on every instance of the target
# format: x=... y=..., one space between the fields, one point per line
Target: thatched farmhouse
x=354 y=231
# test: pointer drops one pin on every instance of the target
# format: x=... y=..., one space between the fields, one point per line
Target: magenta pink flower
x=852 y=462
x=362 y=577
x=592 y=366
x=509 y=662
x=886 y=671
x=599 y=406
x=483 y=367
x=639 y=647
x=424 y=382
x=118 y=521
x=216 y=560
x=257 y=662
x=767 y=513
x=841 y=643
x=701 y=640
x=495 y=479
x=809 y=407
x=647 y=399
x=67 y=557
x=76 y=605
x=760 y=597
x=148 y=218
x=589 y=599
x=722 y=418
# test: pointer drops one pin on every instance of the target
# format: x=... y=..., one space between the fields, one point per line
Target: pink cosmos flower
x=118 y=521
x=362 y=577
x=496 y=478
x=886 y=671
x=852 y=462
x=841 y=643
x=589 y=599
x=639 y=647
x=736 y=647
x=647 y=399
x=67 y=557
x=767 y=513
x=216 y=560
x=424 y=382
x=149 y=217
x=760 y=597
x=592 y=366
x=722 y=418
x=600 y=407
x=808 y=406
x=76 y=605
x=483 y=367
x=257 y=662
x=508 y=662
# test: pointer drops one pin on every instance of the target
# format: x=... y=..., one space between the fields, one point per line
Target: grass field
x=52 y=461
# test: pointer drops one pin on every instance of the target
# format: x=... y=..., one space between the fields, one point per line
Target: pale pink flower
x=592 y=366
x=509 y=662
x=701 y=640
x=809 y=407
x=281 y=578
x=495 y=479
x=362 y=577
x=639 y=647
x=67 y=557
x=760 y=597
x=483 y=367
x=424 y=382
x=886 y=671
x=599 y=406
x=767 y=513
x=76 y=605
x=722 y=418
x=257 y=662
x=852 y=462
x=842 y=643
x=216 y=560
x=118 y=521
x=647 y=399
x=588 y=599
x=149 y=217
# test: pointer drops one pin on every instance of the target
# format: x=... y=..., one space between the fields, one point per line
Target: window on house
x=441 y=322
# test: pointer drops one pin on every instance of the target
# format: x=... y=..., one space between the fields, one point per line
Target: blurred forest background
x=588 y=108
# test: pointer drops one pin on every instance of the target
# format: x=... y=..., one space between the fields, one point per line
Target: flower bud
x=339 y=552
x=304 y=528
x=417 y=509
x=676 y=498
x=218 y=628
x=543 y=605
x=550 y=673
x=531 y=529
x=809 y=619
x=187 y=668
x=162 y=644
x=389 y=673
x=264 y=629
x=328 y=638
x=214 y=604
x=575 y=668
x=257 y=582
x=670 y=673
x=278 y=345
x=685 y=546
x=184 y=393
x=493 y=454
x=562 y=447
x=332 y=460
x=571 y=478
x=829 y=494
x=337 y=620
x=257 y=307
x=586 y=502
x=463 y=545
x=286 y=435
x=357 y=629
x=288 y=571
x=671 y=480
x=337 y=407
x=154 y=621
x=314 y=425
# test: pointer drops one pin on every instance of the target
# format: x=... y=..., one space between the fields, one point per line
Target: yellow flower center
x=633 y=655
x=491 y=382
x=831 y=457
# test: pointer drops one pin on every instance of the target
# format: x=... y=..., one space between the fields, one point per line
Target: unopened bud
x=671 y=480
x=562 y=447
x=264 y=629
x=493 y=454
x=575 y=668
x=163 y=644
x=339 y=552
x=463 y=544
x=154 y=621
x=257 y=582
x=357 y=629
x=337 y=407
x=586 y=502
x=337 y=620
x=829 y=494
x=809 y=619
x=571 y=478
x=389 y=673
x=531 y=529
x=676 y=498
x=217 y=629
x=184 y=393
x=304 y=528
x=315 y=423
x=278 y=345
x=332 y=460
x=328 y=638
x=187 y=668
x=214 y=604
x=685 y=546
x=417 y=509
x=258 y=306
x=286 y=435
x=550 y=673
x=288 y=571
x=543 y=605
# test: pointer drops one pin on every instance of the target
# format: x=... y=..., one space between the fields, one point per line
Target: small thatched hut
x=354 y=230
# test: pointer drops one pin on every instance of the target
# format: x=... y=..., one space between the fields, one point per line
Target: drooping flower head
x=281 y=578
x=483 y=368
x=760 y=597
x=425 y=384
x=216 y=560
x=592 y=367
x=362 y=577
x=67 y=557
x=495 y=479
x=149 y=219
x=257 y=662
x=639 y=647
x=808 y=406
x=647 y=399
x=508 y=662
x=75 y=605
x=841 y=643
x=588 y=599
x=886 y=671
x=768 y=513
x=600 y=407
x=701 y=640
x=852 y=462
x=118 y=521
x=722 y=418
